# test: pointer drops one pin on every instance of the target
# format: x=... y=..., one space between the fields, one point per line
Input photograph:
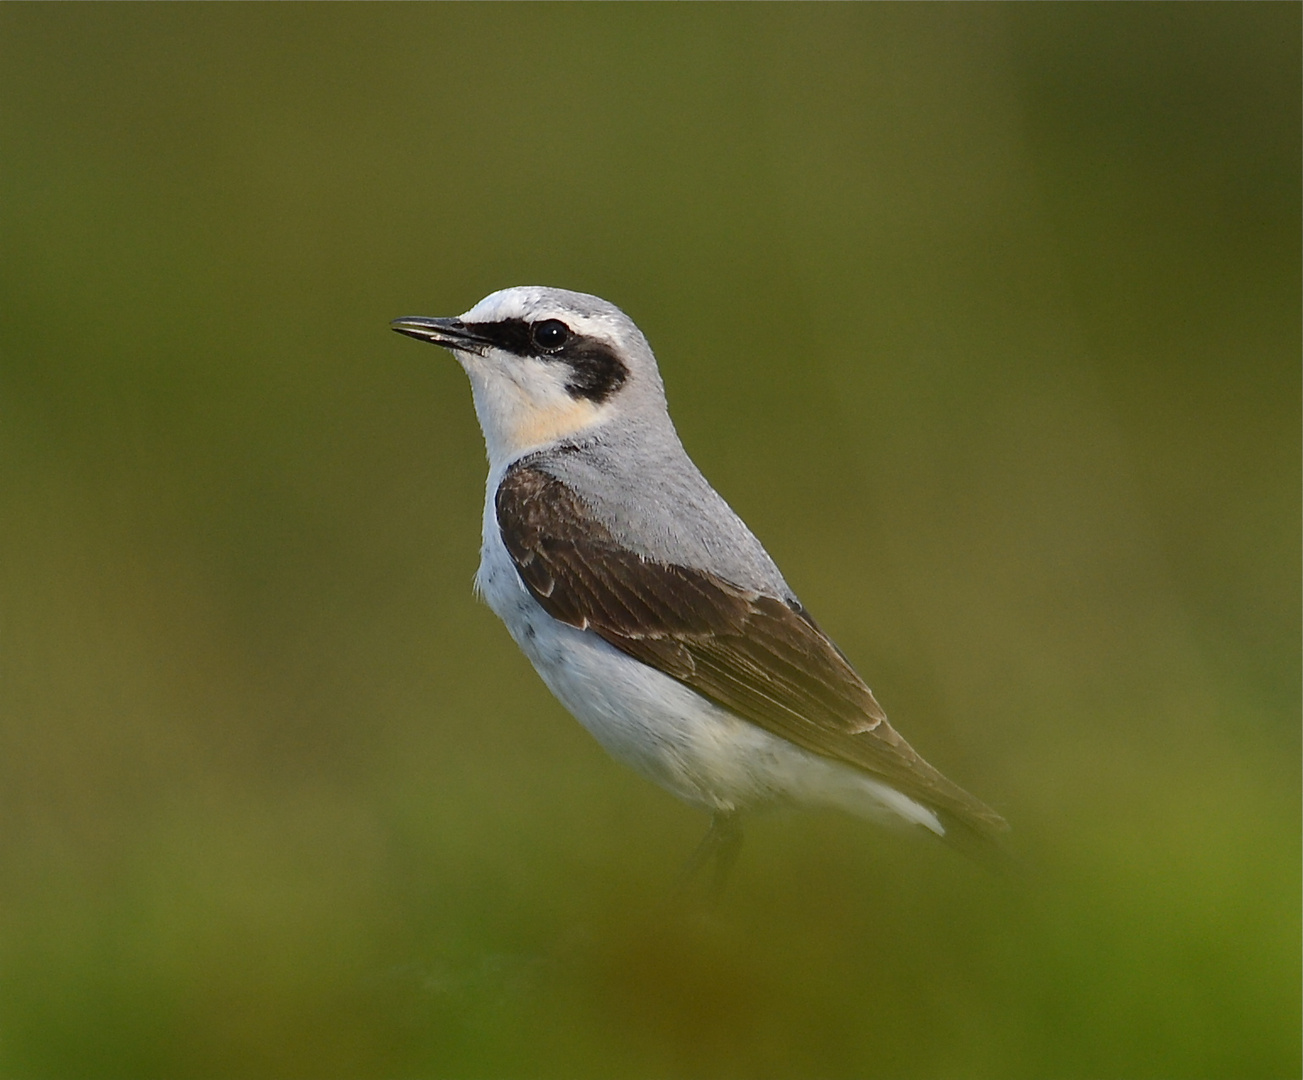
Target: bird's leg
x=720 y=845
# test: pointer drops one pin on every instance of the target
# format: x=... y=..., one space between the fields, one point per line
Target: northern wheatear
x=646 y=605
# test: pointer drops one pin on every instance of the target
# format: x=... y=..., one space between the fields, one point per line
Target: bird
x=646 y=605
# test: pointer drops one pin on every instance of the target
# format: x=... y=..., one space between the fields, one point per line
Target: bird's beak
x=450 y=333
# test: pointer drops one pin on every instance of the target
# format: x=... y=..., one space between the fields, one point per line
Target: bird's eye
x=550 y=334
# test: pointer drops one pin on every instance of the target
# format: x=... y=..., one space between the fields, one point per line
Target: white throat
x=518 y=415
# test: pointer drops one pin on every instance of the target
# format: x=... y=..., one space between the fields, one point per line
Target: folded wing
x=760 y=656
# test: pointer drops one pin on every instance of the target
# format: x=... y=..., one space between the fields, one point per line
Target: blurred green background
x=986 y=318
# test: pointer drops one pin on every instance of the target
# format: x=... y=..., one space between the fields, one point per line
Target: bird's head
x=547 y=365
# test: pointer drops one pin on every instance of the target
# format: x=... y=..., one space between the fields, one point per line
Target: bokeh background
x=985 y=317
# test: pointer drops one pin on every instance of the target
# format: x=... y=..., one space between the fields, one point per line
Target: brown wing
x=761 y=657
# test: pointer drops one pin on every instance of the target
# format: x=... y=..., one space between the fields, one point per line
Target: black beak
x=450 y=333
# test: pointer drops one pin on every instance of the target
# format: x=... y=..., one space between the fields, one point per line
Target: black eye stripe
x=595 y=371
x=509 y=334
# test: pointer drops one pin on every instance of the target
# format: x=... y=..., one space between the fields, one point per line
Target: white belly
x=687 y=744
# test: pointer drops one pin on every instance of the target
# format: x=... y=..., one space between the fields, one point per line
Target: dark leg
x=720 y=845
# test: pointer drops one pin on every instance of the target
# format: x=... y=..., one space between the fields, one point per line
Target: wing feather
x=760 y=656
